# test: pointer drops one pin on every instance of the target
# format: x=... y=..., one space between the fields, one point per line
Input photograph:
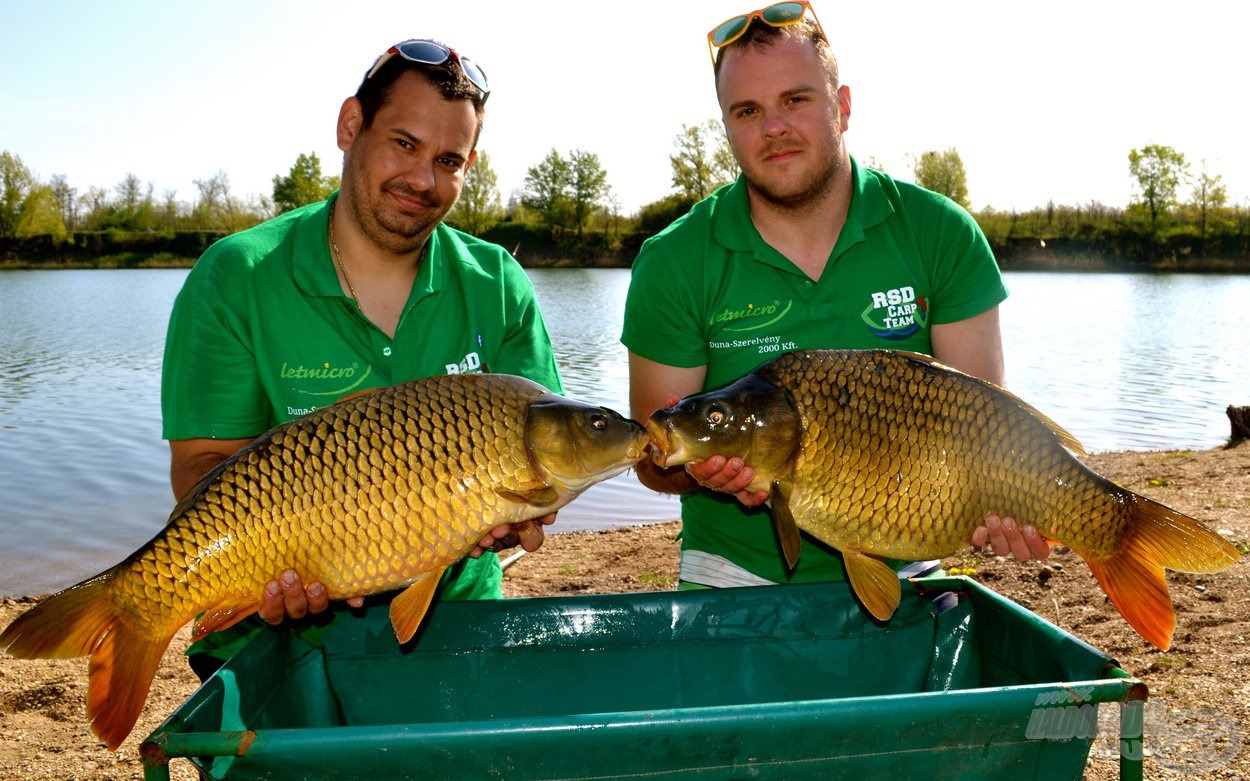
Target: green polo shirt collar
x=318 y=277
x=733 y=229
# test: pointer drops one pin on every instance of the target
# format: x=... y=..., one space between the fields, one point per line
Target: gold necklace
x=338 y=259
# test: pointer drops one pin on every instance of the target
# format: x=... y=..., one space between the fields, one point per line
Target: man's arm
x=191 y=459
x=973 y=346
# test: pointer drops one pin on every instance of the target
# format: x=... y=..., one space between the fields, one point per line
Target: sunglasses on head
x=775 y=15
x=428 y=52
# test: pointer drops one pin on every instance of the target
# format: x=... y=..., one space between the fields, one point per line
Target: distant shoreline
x=1084 y=265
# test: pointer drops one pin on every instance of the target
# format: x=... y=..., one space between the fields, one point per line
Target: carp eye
x=598 y=421
x=716 y=414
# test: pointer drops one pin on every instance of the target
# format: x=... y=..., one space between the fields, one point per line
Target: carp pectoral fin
x=537 y=496
x=410 y=606
x=783 y=524
x=223 y=615
x=874 y=583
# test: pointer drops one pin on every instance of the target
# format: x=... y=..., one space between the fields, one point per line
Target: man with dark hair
x=807 y=249
x=366 y=289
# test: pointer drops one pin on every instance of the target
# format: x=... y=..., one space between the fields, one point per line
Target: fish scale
x=890 y=454
x=900 y=457
x=383 y=490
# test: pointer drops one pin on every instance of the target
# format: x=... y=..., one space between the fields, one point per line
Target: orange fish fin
x=67 y=624
x=783 y=523
x=120 y=675
x=1134 y=582
x=223 y=615
x=83 y=620
x=1158 y=538
x=539 y=495
x=1181 y=543
x=1065 y=439
x=873 y=582
x=410 y=606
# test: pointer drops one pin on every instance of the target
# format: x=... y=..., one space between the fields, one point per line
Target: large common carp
x=889 y=454
x=381 y=491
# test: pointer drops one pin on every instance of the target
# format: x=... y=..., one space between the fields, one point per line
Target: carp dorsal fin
x=873 y=582
x=783 y=524
x=356 y=395
x=410 y=606
x=1065 y=439
x=539 y=495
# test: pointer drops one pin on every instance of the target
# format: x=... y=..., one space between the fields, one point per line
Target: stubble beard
x=387 y=229
x=807 y=192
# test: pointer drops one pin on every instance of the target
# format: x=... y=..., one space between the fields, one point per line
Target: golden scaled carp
x=889 y=454
x=381 y=491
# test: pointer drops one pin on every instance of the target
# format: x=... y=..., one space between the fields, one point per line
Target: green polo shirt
x=708 y=291
x=262 y=333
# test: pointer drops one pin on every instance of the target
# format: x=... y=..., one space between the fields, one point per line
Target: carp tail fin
x=83 y=620
x=1159 y=538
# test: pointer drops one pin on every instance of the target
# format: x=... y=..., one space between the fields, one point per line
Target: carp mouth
x=663 y=452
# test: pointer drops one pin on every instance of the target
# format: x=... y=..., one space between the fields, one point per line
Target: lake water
x=1134 y=362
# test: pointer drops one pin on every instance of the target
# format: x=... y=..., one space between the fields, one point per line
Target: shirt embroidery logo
x=341 y=379
x=752 y=317
x=472 y=364
x=897 y=313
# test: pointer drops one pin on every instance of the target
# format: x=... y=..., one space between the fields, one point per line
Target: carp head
x=751 y=418
x=577 y=445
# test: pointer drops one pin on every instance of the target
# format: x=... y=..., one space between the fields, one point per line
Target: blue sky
x=1042 y=100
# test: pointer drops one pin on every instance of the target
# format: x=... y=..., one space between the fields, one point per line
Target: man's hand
x=1009 y=539
x=528 y=534
x=730 y=476
x=286 y=597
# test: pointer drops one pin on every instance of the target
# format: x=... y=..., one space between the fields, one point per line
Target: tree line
x=567 y=206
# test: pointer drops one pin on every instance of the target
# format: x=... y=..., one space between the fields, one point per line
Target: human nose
x=775 y=124
x=420 y=175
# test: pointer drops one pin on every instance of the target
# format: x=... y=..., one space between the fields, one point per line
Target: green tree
x=41 y=214
x=303 y=185
x=943 y=172
x=216 y=208
x=546 y=190
x=588 y=186
x=479 y=206
x=16 y=182
x=703 y=160
x=1209 y=194
x=94 y=204
x=1158 y=170
x=66 y=200
x=133 y=208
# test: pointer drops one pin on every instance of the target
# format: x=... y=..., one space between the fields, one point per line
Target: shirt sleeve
x=526 y=349
x=965 y=276
x=662 y=313
x=209 y=383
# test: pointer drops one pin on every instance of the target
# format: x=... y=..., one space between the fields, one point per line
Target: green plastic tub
x=784 y=682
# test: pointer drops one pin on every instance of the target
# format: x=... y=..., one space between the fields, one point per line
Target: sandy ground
x=1198 y=715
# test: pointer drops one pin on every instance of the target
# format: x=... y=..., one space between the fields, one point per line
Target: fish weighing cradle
x=783 y=682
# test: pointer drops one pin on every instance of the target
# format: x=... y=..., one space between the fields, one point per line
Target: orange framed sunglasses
x=775 y=15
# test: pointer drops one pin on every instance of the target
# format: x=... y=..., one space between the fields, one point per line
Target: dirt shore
x=1198 y=713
